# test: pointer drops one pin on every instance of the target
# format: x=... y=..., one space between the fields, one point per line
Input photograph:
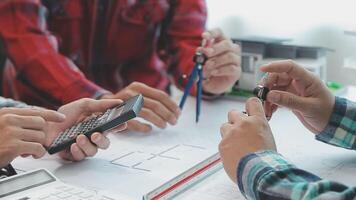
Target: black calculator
x=111 y=118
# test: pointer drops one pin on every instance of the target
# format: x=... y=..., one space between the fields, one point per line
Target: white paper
x=135 y=164
x=164 y=154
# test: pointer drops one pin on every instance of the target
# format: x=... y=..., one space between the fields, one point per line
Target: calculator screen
x=115 y=113
x=24 y=182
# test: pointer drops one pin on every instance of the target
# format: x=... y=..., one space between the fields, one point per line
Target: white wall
x=308 y=22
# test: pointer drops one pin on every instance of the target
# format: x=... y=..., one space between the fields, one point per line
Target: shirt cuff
x=253 y=167
x=341 y=129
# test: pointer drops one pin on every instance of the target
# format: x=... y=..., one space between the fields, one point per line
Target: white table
x=293 y=141
x=298 y=145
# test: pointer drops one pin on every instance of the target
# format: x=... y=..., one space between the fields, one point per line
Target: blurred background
x=329 y=24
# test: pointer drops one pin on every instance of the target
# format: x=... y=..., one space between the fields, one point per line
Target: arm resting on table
x=267 y=175
x=341 y=129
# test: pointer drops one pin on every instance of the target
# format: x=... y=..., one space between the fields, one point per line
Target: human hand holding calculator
x=107 y=120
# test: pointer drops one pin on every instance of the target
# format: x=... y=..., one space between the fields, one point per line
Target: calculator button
x=76 y=198
x=106 y=198
x=56 y=192
x=51 y=198
x=87 y=195
x=63 y=195
x=76 y=191
x=44 y=196
x=62 y=187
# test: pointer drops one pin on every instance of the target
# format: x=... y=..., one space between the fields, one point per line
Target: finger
x=27 y=122
x=119 y=128
x=206 y=73
x=267 y=106
x=32 y=122
x=274 y=108
x=100 y=140
x=229 y=70
x=268 y=80
x=214 y=34
x=134 y=125
x=234 y=116
x=152 y=117
x=31 y=148
x=66 y=154
x=292 y=69
x=32 y=136
x=254 y=107
x=48 y=115
x=221 y=48
x=86 y=146
x=161 y=110
x=92 y=105
x=158 y=95
x=225 y=129
x=77 y=153
x=276 y=80
x=223 y=60
x=288 y=100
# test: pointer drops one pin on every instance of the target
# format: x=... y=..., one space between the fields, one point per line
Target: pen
x=199 y=92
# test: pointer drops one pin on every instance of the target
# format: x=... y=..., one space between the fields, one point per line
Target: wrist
x=82 y=89
x=210 y=91
x=327 y=112
x=335 y=113
x=254 y=166
x=208 y=95
x=107 y=95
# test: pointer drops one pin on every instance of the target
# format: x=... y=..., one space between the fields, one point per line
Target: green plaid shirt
x=267 y=175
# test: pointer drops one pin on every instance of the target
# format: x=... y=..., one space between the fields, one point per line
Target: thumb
x=100 y=105
x=288 y=100
x=254 y=107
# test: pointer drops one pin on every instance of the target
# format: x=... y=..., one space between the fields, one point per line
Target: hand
x=75 y=112
x=243 y=135
x=158 y=108
x=294 y=87
x=223 y=67
x=22 y=132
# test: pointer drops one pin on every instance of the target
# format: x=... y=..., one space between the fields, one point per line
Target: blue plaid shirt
x=267 y=175
x=11 y=103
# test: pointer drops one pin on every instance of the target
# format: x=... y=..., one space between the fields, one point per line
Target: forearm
x=34 y=53
x=183 y=35
x=341 y=129
x=267 y=175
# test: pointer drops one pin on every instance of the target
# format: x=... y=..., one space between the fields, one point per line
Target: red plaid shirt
x=97 y=45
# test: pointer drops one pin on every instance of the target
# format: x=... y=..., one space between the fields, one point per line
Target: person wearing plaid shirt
x=26 y=130
x=64 y=50
x=248 y=150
